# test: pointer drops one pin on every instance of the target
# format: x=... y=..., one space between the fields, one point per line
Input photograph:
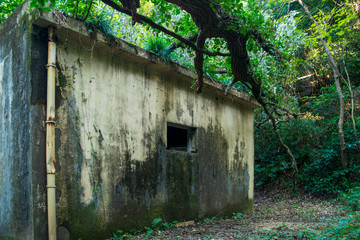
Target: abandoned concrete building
x=132 y=141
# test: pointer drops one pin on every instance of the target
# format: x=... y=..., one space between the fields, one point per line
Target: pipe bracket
x=50 y=186
x=51 y=65
x=53 y=122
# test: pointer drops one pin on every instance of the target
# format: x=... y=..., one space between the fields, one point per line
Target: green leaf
x=155 y=222
x=33 y=4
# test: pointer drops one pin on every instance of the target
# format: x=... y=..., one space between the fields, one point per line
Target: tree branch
x=179 y=44
x=288 y=112
x=219 y=71
x=88 y=11
x=264 y=44
x=199 y=62
x=147 y=20
x=273 y=122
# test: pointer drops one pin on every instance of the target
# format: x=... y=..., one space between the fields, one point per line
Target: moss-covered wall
x=21 y=125
x=113 y=104
x=114 y=169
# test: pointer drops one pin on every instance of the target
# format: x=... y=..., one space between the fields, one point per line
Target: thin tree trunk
x=282 y=144
x=337 y=84
x=88 y=11
x=348 y=83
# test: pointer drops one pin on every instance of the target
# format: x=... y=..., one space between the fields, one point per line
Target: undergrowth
x=157 y=225
x=314 y=142
x=335 y=226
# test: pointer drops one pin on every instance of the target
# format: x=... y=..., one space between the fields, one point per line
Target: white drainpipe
x=50 y=136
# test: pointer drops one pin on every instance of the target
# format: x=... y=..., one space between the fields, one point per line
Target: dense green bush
x=314 y=141
x=348 y=227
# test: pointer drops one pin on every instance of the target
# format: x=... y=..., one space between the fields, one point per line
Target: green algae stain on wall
x=112 y=108
x=115 y=168
x=223 y=185
x=181 y=184
x=164 y=186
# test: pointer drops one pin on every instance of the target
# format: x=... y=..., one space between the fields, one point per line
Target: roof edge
x=62 y=22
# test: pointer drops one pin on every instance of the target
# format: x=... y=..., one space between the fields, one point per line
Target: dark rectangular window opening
x=180 y=138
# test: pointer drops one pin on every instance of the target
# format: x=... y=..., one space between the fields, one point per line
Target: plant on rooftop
x=159 y=46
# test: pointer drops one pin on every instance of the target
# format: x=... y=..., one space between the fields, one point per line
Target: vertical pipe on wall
x=50 y=136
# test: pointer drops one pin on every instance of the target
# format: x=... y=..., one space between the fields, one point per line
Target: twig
x=88 y=11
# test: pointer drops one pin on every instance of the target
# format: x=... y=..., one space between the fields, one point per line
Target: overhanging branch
x=287 y=111
x=264 y=44
x=199 y=62
x=191 y=38
x=147 y=20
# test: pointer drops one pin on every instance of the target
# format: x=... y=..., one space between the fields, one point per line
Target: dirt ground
x=275 y=216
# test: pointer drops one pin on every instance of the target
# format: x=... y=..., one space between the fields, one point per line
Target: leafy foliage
x=313 y=138
x=349 y=227
x=7 y=7
x=351 y=199
x=314 y=141
x=156 y=225
x=159 y=46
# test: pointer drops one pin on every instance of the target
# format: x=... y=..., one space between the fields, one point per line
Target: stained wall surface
x=21 y=134
x=115 y=169
x=114 y=103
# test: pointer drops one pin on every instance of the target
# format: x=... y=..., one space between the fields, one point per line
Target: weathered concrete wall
x=113 y=103
x=23 y=56
x=38 y=61
x=115 y=171
x=16 y=128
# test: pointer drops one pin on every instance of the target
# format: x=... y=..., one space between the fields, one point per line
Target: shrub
x=314 y=142
x=348 y=227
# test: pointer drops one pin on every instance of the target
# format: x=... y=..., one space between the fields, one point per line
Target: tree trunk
x=337 y=84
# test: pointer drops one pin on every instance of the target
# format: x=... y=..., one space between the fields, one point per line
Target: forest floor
x=275 y=216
